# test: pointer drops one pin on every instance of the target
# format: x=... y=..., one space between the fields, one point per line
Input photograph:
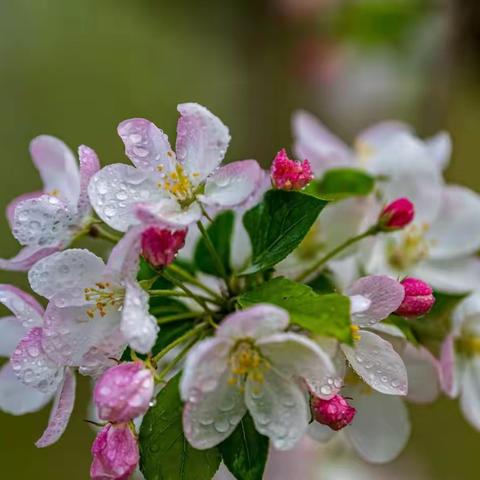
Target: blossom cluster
x=240 y=308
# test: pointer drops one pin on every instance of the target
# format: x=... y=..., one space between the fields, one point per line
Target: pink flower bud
x=397 y=214
x=160 y=245
x=418 y=298
x=124 y=392
x=336 y=412
x=288 y=174
x=115 y=453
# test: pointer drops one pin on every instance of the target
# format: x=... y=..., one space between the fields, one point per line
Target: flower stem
x=322 y=261
x=178 y=316
x=159 y=377
x=167 y=293
x=213 y=252
x=99 y=231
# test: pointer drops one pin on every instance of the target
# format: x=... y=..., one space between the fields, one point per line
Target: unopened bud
x=335 y=413
x=288 y=174
x=160 y=245
x=418 y=300
x=397 y=214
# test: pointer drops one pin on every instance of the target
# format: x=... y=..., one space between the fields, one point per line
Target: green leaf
x=170 y=332
x=245 y=451
x=220 y=233
x=165 y=453
x=327 y=315
x=278 y=224
x=340 y=183
x=323 y=283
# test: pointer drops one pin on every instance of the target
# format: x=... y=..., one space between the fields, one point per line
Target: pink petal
x=233 y=184
x=61 y=411
x=147 y=146
x=25 y=308
x=384 y=293
x=168 y=213
x=125 y=256
x=89 y=166
x=13 y=204
x=11 y=332
x=448 y=379
x=202 y=140
x=57 y=166
x=26 y=258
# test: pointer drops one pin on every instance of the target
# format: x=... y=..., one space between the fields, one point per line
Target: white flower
x=252 y=364
x=167 y=188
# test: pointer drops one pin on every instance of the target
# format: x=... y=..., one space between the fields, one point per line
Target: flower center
x=103 y=296
x=245 y=360
x=177 y=184
x=355 y=332
x=410 y=250
x=468 y=346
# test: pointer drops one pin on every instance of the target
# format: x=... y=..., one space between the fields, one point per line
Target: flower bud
x=115 y=453
x=396 y=215
x=418 y=298
x=124 y=392
x=288 y=174
x=335 y=413
x=160 y=245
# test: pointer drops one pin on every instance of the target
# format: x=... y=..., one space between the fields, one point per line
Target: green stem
x=322 y=261
x=211 y=248
x=178 y=316
x=99 y=231
x=175 y=361
x=167 y=293
x=191 y=333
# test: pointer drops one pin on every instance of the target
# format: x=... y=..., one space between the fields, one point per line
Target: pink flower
x=418 y=299
x=115 y=453
x=288 y=174
x=397 y=214
x=124 y=392
x=335 y=413
x=160 y=245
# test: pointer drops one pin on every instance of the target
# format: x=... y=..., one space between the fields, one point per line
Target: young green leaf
x=340 y=183
x=278 y=224
x=220 y=233
x=327 y=315
x=245 y=451
x=165 y=453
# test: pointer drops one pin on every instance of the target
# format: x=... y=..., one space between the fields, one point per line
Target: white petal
x=451 y=368
x=298 y=357
x=385 y=295
x=254 y=322
x=279 y=409
x=26 y=258
x=15 y=397
x=206 y=363
x=202 y=140
x=69 y=333
x=168 y=213
x=470 y=393
x=440 y=149
x=460 y=275
x=124 y=258
x=63 y=276
x=321 y=433
x=466 y=316
x=138 y=327
x=422 y=371
x=89 y=166
x=314 y=142
x=381 y=428
x=61 y=411
x=232 y=184
x=146 y=145
x=11 y=332
x=214 y=415
x=375 y=136
x=456 y=232
x=57 y=166
x=115 y=189
x=375 y=360
x=45 y=221
x=25 y=308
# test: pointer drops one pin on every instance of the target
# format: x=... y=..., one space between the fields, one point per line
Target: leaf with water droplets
x=245 y=451
x=165 y=453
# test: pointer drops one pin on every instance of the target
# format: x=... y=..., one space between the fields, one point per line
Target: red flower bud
x=418 y=298
x=397 y=214
x=160 y=245
x=335 y=413
x=288 y=174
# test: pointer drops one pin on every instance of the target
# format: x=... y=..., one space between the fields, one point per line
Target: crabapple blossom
x=289 y=174
x=252 y=364
x=124 y=392
x=115 y=453
x=419 y=298
x=160 y=245
x=396 y=215
x=335 y=412
x=47 y=221
x=168 y=188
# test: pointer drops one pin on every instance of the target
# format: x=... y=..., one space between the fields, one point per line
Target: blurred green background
x=76 y=68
